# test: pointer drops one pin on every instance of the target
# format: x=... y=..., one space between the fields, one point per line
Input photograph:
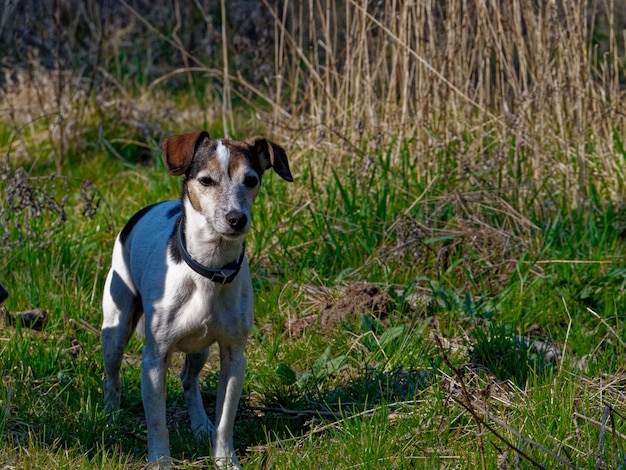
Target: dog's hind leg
x=200 y=423
x=122 y=309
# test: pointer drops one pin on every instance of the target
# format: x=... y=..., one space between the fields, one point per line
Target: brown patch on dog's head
x=179 y=150
x=193 y=198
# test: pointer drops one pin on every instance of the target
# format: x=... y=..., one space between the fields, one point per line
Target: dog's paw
x=112 y=397
x=159 y=461
x=227 y=463
x=204 y=430
x=224 y=454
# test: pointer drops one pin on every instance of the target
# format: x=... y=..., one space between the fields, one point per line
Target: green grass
x=363 y=394
x=486 y=232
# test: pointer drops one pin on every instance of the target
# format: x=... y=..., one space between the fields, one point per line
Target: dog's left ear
x=178 y=151
x=271 y=155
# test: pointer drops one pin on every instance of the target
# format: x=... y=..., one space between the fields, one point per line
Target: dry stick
x=288 y=412
x=599 y=424
x=521 y=436
x=468 y=406
x=416 y=201
x=219 y=74
x=279 y=53
x=472 y=407
x=607 y=410
x=59 y=91
x=214 y=73
x=179 y=43
x=609 y=327
x=96 y=63
x=569 y=327
x=86 y=326
x=614 y=435
x=227 y=111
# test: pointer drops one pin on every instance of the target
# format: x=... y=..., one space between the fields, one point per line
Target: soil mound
x=355 y=300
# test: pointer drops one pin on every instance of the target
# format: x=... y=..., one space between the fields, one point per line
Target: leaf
x=442 y=238
x=390 y=335
x=286 y=374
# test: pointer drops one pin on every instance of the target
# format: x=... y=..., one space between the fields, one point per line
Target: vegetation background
x=442 y=286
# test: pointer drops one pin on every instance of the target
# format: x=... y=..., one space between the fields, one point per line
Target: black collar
x=225 y=275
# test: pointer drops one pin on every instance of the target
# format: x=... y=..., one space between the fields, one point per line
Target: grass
x=471 y=171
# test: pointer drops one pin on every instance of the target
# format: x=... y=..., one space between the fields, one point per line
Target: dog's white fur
x=182 y=309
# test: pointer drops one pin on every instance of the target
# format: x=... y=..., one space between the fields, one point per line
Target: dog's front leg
x=232 y=372
x=153 y=374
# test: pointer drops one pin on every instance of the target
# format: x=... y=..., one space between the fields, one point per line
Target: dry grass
x=526 y=97
x=520 y=93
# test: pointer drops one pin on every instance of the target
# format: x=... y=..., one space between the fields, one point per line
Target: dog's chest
x=212 y=313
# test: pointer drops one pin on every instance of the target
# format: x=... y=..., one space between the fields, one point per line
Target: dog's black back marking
x=175 y=211
x=133 y=220
x=172 y=244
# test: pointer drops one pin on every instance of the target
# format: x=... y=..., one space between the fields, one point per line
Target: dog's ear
x=271 y=155
x=178 y=151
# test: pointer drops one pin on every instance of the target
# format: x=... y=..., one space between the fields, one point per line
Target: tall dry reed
x=523 y=97
x=526 y=96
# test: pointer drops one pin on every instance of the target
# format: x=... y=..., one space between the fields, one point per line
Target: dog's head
x=222 y=177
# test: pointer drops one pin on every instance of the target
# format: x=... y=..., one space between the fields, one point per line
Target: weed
x=505 y=355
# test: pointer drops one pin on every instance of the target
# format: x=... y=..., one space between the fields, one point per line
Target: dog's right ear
x=178 y=151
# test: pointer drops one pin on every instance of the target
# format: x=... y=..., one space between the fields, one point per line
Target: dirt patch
x=354 y=300
x=33 y=319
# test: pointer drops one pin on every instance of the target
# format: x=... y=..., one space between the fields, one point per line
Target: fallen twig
x=474 y=409
x=86 y=326
x=609 y=327
x=599 y=424
x=289 y=412
x=599 y=464
x=522 y=436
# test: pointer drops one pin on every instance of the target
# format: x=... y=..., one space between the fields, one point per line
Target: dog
x=180 y=267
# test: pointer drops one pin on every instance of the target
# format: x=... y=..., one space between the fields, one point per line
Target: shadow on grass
x=292 y=411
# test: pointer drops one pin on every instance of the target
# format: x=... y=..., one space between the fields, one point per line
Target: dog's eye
x=251 y=181
x=207 y=181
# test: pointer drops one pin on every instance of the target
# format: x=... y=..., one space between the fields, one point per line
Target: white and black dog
x=181 y=264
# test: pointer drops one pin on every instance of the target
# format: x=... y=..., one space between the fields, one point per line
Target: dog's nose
x=237 y=219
